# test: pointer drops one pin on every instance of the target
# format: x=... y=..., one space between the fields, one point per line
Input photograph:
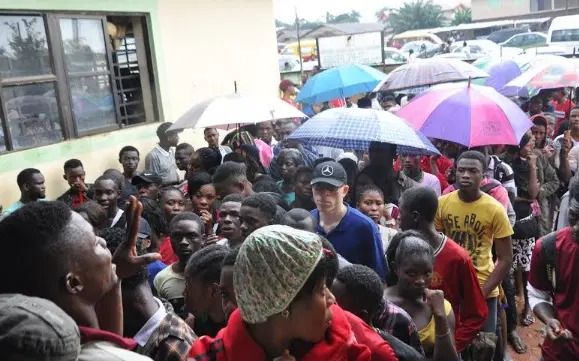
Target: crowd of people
x=269 y=249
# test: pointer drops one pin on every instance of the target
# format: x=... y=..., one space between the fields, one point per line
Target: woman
x=286 y=311
x=203 y=196
x=411 y=261
x=171 y=202
x=371 y=203
x=543 y=143
x=288 y=161
x=536 y=181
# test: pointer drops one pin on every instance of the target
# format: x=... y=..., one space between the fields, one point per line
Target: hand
x=567 y=142
x=435 y=299
x=532 y=159
x=206 y=216
x=548 y=151
x=125 y=258
x=210 y=239
x=556 y=332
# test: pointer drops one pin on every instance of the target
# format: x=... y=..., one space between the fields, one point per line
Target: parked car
x=526 y=40
x=394 y=56
x=564 y=32
x=500 y=36
x=474 y=49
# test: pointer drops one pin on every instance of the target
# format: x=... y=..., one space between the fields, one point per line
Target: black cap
x=146 y=178
x=330 y=172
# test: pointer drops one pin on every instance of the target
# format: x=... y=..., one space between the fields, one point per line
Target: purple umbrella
x=472 y=115
x=502 y=73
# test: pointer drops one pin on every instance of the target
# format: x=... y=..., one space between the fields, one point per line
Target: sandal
x=528 y=320
x=516 y=342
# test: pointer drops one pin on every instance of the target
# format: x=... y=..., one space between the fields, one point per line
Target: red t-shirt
x=166 y=251
x=366 y=335
x=455 y=275
x=442 y=163
x=565 y=296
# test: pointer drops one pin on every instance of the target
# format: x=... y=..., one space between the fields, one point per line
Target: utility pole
x=299 y=43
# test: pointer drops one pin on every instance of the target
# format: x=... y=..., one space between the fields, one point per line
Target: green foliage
x=418 y=14
x=462 y=16
x=351 y=17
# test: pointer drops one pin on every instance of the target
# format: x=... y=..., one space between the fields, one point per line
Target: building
x=492 y=9
x=81 y=79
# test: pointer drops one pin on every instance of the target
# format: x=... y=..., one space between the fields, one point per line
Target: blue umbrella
x=355 y=128
x=340 y=82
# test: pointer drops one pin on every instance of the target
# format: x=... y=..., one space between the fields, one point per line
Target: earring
x=285 y=314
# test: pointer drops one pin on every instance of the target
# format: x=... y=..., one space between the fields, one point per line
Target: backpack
x=549 y=255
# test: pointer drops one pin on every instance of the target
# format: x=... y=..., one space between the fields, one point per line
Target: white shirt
x=142 y=337
x=117 y=217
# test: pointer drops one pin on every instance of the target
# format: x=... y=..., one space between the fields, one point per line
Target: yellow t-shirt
x=427 y=334
x=474 y=226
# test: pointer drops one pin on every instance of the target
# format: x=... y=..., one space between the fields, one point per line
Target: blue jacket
x=357 y=239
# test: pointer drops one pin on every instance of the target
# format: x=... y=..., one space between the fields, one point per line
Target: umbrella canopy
x=471 y=115
x=545 y=72
x=423 y=72
x=235 y=109
x=340 y=82
x=501 y=71
x=355 y=128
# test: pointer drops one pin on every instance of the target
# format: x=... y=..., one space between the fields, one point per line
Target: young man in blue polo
x=355 y=236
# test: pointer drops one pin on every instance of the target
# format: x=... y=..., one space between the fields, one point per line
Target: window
x=565 y=35
x=66 y=76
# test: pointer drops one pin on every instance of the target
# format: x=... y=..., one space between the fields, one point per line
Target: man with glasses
x=354 y=235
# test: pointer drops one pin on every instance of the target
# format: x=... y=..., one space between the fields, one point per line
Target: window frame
x=150 y=88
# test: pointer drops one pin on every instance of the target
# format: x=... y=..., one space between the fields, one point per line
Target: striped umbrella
x=425 y=72
x=472 y=115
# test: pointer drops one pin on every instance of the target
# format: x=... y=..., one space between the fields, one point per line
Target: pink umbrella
x=471 y=115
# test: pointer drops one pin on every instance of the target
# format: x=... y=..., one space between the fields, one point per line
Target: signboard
x=350 y=49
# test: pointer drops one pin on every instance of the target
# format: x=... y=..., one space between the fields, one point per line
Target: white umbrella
x=235 y=109
x=424 y=72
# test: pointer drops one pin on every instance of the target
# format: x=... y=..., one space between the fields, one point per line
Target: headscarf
x=272 y=266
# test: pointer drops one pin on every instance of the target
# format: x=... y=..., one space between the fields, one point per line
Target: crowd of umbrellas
x=464 y=103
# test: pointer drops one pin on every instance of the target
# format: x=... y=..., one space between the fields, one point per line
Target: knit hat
x=36 y=329
x=272 y=266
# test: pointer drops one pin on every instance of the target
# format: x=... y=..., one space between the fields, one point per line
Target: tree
x=351 y=17
x=416 y=15
x=462 y=16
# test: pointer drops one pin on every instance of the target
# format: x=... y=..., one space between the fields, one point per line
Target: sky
x=316 y=9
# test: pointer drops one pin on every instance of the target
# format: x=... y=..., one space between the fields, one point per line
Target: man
x=67 y=264
x=562 y=106
x=202 y=293
x=186 y=231
x=359 y=290
x=477 y=222
x=288 y=92
x=299 y=218
x=411 y=169
x=32 y=188
x=228 y=301
x=453 y=272
x=265 y=133
x=36 y=329
x=212 y=138
x=257 y=210
x=563 y=145
x=554 y=286
x=161 y=159
x=341 y=224
x=147 y=185
x=183 y=154
x=303 y=189
x=229 y=221
x=106 y=193
x=79 y=191
x=159 y=333
x=231 y=177
x=308 y=153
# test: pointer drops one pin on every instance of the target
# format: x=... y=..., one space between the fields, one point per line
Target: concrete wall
x=201 y=47
x=490 y=9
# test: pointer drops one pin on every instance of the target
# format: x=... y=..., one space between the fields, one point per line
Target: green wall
x=76 y=147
